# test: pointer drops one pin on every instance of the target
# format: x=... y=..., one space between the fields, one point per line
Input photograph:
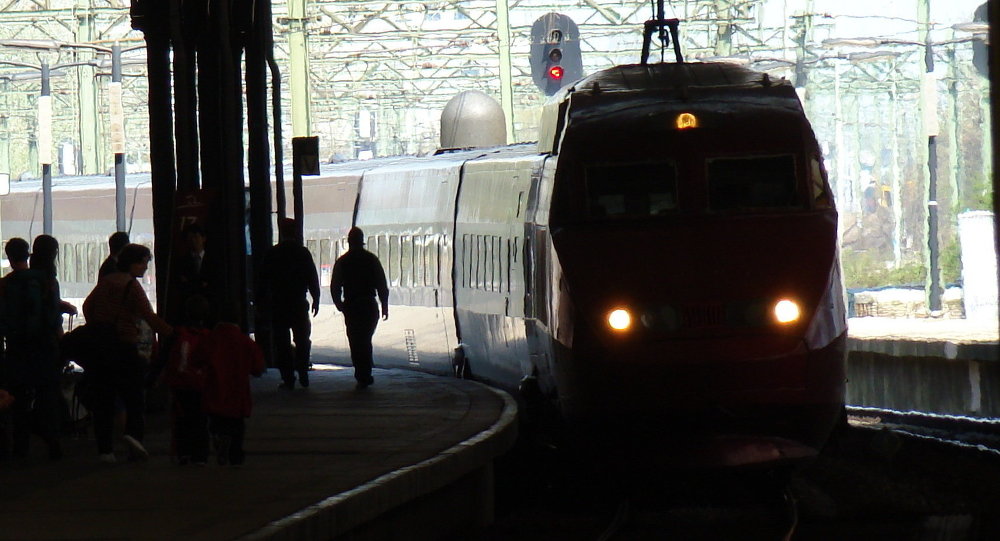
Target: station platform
x=408 y=458
x=947 y=366
x=925 y=337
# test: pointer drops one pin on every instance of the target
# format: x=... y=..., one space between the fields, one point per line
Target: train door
x=406 y=210
x=537 y=262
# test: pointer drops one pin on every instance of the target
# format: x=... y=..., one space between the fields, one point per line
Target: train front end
x=695 y=243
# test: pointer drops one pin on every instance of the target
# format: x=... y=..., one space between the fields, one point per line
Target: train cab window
x=631 y=190
x=820 y=192
x=759 y=182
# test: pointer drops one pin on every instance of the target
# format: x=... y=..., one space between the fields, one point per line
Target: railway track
x=976 y=433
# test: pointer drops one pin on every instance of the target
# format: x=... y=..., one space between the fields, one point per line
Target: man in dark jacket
x=196 y=271
x=288 y=272
x=357 y=277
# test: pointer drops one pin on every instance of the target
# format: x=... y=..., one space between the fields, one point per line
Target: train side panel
x=329 y=203
x=83 y=218
x=490 y=266
x=407 y=213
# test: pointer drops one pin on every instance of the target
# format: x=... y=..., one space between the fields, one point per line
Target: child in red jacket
x=184 y=370
x=232 y=358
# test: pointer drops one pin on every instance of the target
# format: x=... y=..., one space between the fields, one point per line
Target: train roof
x=615 y=90
x=86 y=182
x=665 y=76
x=354 y=167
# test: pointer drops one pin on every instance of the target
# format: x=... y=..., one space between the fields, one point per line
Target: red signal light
x=556 y=72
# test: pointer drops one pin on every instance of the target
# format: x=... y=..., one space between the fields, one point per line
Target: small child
x=232 y=357
x=185 y=371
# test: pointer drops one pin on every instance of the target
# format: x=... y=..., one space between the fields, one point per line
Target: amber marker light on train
x=786 y=311
x=686 y=121
x=619 y=319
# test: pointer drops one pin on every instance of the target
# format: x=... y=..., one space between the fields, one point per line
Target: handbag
x=89 y=345
x=93 y=346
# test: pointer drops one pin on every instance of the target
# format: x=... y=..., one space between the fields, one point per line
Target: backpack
x=22 y=314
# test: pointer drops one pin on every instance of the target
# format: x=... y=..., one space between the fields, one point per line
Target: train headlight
x=619 y=319
x=786 y=311
x=686 y=121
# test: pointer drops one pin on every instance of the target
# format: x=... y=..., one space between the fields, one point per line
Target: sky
x=883 y=18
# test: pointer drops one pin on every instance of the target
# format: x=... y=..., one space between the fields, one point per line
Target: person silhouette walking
x=357 y=278
x=289 y=273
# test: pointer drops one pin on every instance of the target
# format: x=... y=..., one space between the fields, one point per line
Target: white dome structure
x=472 y=119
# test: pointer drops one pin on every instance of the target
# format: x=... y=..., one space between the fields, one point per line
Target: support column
x=152 y=18
x=506 y=85
x=45 y=149
x=90 y=153
x=928 y=95
x=117 y=134
x=298 y=53
x=5 y=166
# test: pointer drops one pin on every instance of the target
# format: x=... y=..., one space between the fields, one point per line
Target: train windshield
x=758 y=182
x=631 y=190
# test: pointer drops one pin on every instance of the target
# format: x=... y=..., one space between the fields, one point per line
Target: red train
x=661 y=268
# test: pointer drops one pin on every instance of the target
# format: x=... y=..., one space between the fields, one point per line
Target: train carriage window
x=383 y=251
x=432 y=252
x=94 y=259
x=480 y=262
x=325 y=263
x=511 y=255
x=466 y=261
x=477 y=243
x=488 y=263
x=419 y=270
x=81 y=261
x=394 y=260
x=406 y=268
x=503 y=253
x=484 y=262
x=758 y=182
x=313 y=251
x=66 y=261
x=497 y=265
x=631 y=190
